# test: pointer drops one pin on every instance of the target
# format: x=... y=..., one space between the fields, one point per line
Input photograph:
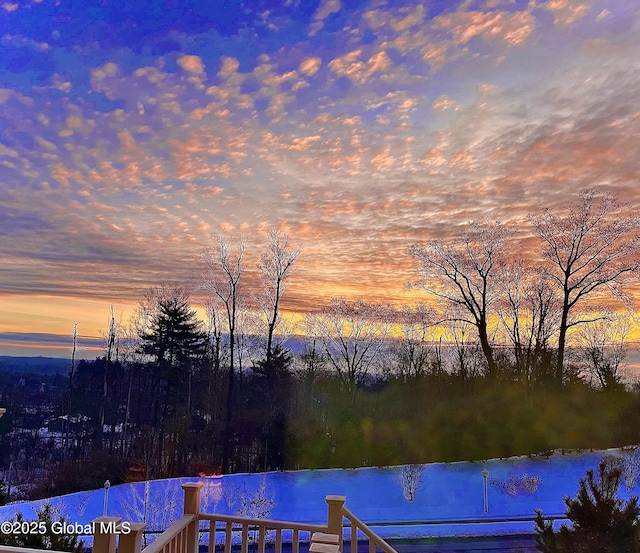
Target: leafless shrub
x=256 y=504
x=155 y=503
x=252 y=504
x=515 y=485
x=79 y=502
x=631 y=467
x=211 y=494
x=411 y=479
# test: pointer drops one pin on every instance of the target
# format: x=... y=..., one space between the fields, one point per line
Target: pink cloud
x=566 y=12
x=512 y=28
x=193 y=64
x=310 y=66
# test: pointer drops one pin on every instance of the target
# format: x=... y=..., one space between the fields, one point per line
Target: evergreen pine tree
x=49 y=538
x=600 y=520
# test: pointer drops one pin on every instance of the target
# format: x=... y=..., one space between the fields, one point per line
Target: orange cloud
x=512 y=28
x=229 y=67
x=310 y=66
x=193 y=64
x=566 y=12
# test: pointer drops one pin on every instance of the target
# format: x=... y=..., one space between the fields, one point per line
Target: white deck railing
x=374 y=540
x=183 y=536
x=248 y=529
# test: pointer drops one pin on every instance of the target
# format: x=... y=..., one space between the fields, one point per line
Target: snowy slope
x=450 y=495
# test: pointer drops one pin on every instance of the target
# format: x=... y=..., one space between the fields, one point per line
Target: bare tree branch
x=463 y=273
x=593 y=252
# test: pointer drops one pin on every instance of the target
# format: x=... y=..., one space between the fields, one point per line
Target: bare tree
x=312 y=360
x=593 y=252
x=222 y=278
x=463 y=274
x=71 y=374
x=464 y=353
x=529 y=312
x=132 y=359
x=275 y=269
x=411 y=349
x=602 y=347
x=410 y=478
x=112 y=345
x=247 y=348
x=216 y=330
x=354 y=333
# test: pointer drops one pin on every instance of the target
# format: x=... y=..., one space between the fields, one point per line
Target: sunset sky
x=131 y=132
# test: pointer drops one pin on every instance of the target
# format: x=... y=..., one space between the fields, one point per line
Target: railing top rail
x=169 y=533
x=367 y=531
x=265 y=522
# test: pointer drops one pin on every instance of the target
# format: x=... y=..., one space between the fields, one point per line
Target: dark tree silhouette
x=275 y=269
x=224 y=269
x=463 y=273
x=175 y=340
x=353 y=335
x=593 y=251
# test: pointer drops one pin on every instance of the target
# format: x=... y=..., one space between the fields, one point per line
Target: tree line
x=512 y=330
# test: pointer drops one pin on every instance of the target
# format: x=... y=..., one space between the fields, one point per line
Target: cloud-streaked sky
x=130 y=132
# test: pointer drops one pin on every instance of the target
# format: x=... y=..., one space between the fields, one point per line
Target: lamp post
x=107 y=485
x=485 y=473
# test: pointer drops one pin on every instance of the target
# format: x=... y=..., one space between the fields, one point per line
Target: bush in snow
x=211 y=494
x=157 y=503
x=410 y=478
x=251 y=504
x=514 y=485
x=631 y=468
x=79 y=502
x=256 y=504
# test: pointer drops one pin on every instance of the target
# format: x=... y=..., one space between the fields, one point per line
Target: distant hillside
x=34 y=365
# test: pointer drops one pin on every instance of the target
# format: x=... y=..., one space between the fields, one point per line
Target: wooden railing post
x=130 y=540
x=105 y=534
x=192 y=507
x=335 y=503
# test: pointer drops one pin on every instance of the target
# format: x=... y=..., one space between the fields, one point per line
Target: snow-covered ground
x=449 y=499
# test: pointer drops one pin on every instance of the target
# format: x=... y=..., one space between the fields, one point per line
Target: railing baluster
x=245 y=538
x=212 y=536
x=279 y=540
x=261 y=535
x=294 y=541
x=227 y=538
x=372 y=546
x=354 y=538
